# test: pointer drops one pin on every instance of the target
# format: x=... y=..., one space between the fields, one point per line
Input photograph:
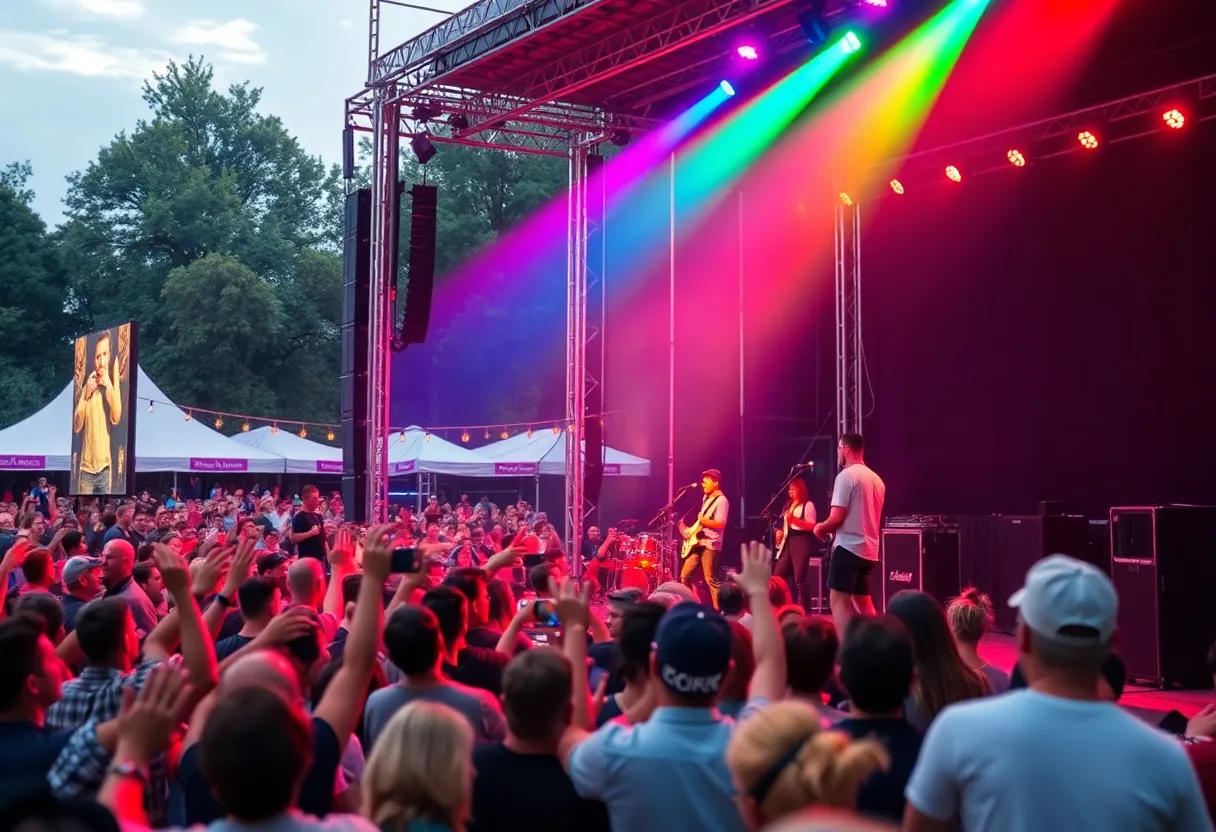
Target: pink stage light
x=880 y=3
x=1174 y=119
x=953 y=174
x=748 y=52
x=1088 y=140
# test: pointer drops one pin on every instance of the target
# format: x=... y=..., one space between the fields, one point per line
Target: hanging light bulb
x=487 y=434
x=274 y=428
x=150 y=408
x=188 y=415
x=329 y=435
x=464 y=437
x=426 y=437
x=219 y=422
x=245 y=427
x=401 y=436
x=504 y=434
x=557 y=429
x=303 y=432
x=529 y=431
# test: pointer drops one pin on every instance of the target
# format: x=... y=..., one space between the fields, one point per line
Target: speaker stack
x=920 y=553
x=1163 y=565
x=356 y=294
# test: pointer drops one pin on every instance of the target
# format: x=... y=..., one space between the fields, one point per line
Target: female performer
x=798 y=541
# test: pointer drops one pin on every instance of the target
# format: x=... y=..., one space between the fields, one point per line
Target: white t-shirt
x=1029 y=762
x=860 y=492
x=718 y=511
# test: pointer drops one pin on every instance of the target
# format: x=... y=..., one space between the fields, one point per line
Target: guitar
x=692 y=536
x=785 y=535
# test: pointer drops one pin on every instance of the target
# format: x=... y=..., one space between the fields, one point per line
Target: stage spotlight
x=426 y=112
x=464 y=437
x=850 y=43
x=1088 y=140
x=845 y=199
x=1016 y=157
x=897 y=186
x=880 y=3
x=814 y=25
x=747 y=52
x=953 y=174
x=620 y=138
x=1174 y=119
x=424 y=149
x=727 y=87
x=458 y=121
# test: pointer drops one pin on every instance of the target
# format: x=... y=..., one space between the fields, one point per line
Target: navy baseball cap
x=692 y=649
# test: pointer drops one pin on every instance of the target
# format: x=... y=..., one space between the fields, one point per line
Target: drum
x=635 y=577
x=645 y=547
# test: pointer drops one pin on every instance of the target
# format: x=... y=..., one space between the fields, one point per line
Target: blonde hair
x=970 y=615
x=827 y=768
x=420 y=769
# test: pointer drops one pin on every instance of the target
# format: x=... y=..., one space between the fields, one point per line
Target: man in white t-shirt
x=856 y=519
x=711 y=520
x=1054 y=756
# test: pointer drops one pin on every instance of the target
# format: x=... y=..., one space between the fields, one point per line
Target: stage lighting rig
x=426 y=112
x=953 y=174
x=458 y=121
x=620 y=138
x=423 y=148
x=814 y=24
x=1174 y=118
x=727 y=87
x=1016 y=158
x=897 y=187
x=1088 y=140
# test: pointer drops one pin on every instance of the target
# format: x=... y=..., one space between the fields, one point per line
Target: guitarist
x=705 y=535
x=797 y=540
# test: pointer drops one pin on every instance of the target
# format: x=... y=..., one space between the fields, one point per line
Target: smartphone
x=545 y=613
x=405 y=559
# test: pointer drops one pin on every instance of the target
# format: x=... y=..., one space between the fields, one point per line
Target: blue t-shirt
x=29 y=753
x=1029 y=762
x=882 y=794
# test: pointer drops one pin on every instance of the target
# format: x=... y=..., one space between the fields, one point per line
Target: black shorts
x=850 y=573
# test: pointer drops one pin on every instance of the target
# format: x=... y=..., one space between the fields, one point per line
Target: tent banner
x=515 y=469
x=217 y=464
x=406 y=467
x=22 y=463
x=325 y=466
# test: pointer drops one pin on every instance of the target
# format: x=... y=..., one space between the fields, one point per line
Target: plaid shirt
x=94 y=697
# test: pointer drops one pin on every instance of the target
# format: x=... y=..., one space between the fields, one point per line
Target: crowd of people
x=290 y=672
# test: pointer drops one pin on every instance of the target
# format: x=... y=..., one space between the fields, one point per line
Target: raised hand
x=378 y=552
x=147 y=720
x=343 y=550
x=211 y=569
x=240 y=569
x=173 y=571
x=573 y=608
x=757 y=560
x=289 y=625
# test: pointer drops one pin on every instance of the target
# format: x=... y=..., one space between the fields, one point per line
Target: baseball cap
x=692 y=649
x=713 y=473
x=77 y=566
x=1062 y=593
x=271 y=561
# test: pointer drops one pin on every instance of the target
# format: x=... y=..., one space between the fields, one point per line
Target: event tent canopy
x=165 y=440
x=414 y=451
x=544 y=452
x=303 y=456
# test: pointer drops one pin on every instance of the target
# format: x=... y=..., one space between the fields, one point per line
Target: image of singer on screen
x=100 y=416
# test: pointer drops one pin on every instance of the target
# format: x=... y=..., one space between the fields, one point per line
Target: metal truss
x=1043 y=134
x=385 y=145
x=849 y=356
x=576 y=352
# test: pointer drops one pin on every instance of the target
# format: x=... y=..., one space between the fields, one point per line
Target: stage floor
x=1001 y=650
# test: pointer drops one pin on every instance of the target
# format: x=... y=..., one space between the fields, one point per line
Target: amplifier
x=924 y=559
x=1163 y=565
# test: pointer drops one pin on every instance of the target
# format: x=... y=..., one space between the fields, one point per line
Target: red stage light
x=1088 y=140
x=1174 y=119
x=845 y=199
x=897 y=186
x=1016 y=157
x=952 y=173
x=748 y=52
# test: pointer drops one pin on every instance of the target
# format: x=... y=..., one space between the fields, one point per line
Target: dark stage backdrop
x=1047 y=333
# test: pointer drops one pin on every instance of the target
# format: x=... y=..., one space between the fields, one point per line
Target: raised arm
x=769 y=678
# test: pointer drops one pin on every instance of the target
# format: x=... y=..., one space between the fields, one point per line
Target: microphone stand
x=663 y=519
x=770 y=512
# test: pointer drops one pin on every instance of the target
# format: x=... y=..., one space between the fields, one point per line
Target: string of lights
x=248 y=421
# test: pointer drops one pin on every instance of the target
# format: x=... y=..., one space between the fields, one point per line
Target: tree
x=209 y=175
x=34 y=355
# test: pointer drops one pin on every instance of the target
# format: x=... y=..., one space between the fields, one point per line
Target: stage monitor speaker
x=1023 y=541
x=593 y=467
x=924 y=559
x=356 y=296
x=1163 y=565
x=421 y=274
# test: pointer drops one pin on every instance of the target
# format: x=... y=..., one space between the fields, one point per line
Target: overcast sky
x=71 y=70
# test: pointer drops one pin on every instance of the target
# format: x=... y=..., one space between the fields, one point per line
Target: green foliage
x=35 y=355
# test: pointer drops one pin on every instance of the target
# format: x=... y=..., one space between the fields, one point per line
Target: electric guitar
x=692 y=536
x=785 y=535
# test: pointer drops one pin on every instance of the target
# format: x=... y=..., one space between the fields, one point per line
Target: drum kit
x=637 y=562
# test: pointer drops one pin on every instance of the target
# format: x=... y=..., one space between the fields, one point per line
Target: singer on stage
x=705 y=534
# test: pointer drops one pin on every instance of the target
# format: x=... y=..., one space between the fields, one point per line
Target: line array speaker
x=421 y=270
x=356 y=296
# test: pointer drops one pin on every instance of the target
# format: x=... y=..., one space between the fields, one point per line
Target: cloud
x=235 y=38
x=77 y=55
x=346 y=24
x=122 y=9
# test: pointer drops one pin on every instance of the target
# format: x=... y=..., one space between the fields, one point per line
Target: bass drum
x=635 y=577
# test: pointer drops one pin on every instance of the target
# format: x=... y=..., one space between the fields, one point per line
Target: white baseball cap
x=1063 y=592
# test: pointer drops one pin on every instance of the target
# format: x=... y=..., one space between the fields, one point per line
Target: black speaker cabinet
x=924 y=559
x=1163 y=565
x=1020 y=542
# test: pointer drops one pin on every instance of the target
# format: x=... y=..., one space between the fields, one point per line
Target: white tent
x=413 y=451
x=303 y=455
x=165 y=440
x=544 y=452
